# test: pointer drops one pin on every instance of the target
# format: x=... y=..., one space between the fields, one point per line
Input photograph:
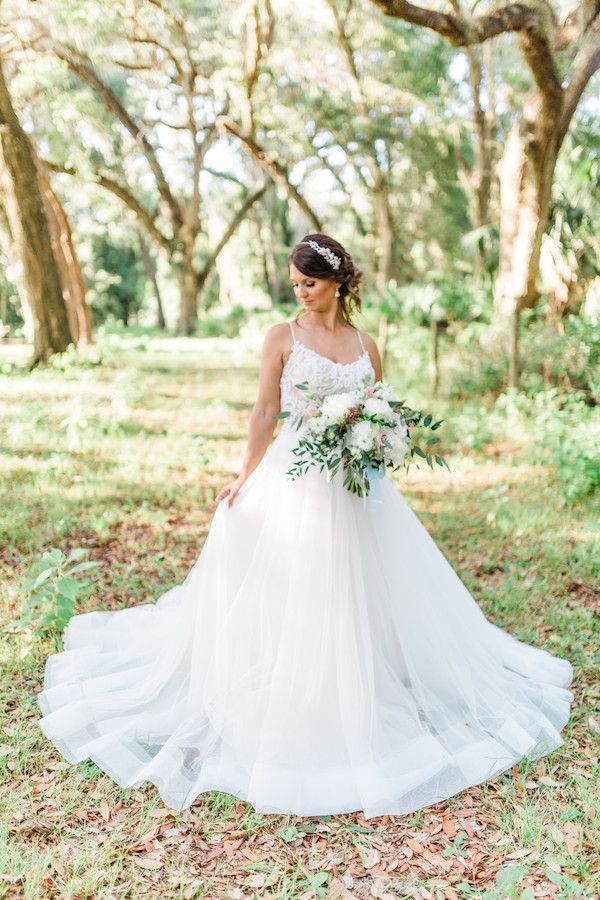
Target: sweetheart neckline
x=320 y=355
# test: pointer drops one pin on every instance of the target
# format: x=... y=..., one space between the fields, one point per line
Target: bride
x=321 y=656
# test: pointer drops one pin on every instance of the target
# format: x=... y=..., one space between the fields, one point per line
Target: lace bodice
x=322 y=374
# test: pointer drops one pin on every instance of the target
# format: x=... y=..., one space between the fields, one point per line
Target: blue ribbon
x=375 y=473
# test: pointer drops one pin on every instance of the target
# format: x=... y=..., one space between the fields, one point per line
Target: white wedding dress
x=320 y=657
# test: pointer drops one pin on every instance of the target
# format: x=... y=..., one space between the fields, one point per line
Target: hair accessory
x=333 y=260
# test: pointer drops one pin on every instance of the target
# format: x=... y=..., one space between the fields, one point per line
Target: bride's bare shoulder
x=369 y=342
x=279 y=328
x=372 y=349
x=277 y=340
x=278 y=334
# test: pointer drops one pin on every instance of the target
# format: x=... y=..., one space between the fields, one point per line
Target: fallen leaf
x=415 y=846
x=338 y=890
x=148 y=862
x=519 y=854
x=371 y=858
x=572 y=836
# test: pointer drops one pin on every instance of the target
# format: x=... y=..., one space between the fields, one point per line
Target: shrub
x=51 y=588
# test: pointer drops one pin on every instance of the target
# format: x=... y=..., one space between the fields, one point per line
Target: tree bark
x=25 y=212
x=150 y=270
x=434 y=364
x=384 y=251
x=71 y=276
x=183 y=262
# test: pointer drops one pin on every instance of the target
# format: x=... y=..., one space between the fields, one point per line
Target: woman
x=321 y=656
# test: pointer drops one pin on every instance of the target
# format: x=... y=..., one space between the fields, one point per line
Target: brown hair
x=310 y=262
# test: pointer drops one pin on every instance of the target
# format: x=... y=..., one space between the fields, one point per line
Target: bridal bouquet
x=363 y=430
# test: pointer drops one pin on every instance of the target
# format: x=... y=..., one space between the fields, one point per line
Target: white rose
x=385 y=391
x=396 y=447
x=375 y=406
x=316 y=426
x=360 y=436
x=337 y=406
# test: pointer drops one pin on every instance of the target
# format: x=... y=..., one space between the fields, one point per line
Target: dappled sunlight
x=128 y=470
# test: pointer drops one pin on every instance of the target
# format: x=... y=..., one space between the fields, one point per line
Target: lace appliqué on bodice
x=322 y=375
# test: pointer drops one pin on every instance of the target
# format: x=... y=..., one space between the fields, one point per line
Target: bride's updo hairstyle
x=323 y=263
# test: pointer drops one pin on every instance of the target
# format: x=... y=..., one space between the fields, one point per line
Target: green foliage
x=570 y=256
x=51 y=589
x=118 y=283
x=563 y=354
x=76 y=358
x=566 y=433
x=474 y=426
x=223 y=322
x=554 y=429
x=440 y=299
x=476 y=361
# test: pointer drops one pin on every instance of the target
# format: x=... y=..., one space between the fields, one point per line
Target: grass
x=125 y=459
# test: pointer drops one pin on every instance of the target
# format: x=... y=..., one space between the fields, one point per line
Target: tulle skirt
x=320 y=657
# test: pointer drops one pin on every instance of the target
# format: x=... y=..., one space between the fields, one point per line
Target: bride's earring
x=337 y=292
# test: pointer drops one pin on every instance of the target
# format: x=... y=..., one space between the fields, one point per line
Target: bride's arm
x=371 y=346
x=267 y=406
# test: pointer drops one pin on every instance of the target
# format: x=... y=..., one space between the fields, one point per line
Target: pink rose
x=370 y=392
x=311 y=410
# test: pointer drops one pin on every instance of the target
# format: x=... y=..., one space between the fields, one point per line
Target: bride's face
x=313 y=293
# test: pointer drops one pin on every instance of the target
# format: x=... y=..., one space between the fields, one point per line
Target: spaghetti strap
x=293 y=332
x=361 y=340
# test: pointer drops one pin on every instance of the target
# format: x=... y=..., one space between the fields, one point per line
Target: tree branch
x=534 y=22
x=82 y=66
x=146 y=217
x=461 y=31
x=587 y=62
x=228 y=233
x=269 y=164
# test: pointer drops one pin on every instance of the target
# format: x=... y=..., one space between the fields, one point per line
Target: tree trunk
x=29 y=226
x=384 y=249
x=188 y=310
x=525 y=188
x=526 y=174
x=271 y=274
x=150 y=270
x=513 y=355
x=71 y=277
x=434 y=365
x=188 y=283
x=479 y=179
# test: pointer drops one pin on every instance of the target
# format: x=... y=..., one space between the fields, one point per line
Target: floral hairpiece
x=333 y=260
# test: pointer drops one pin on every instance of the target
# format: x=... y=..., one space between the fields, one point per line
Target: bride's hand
x=230 y=490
